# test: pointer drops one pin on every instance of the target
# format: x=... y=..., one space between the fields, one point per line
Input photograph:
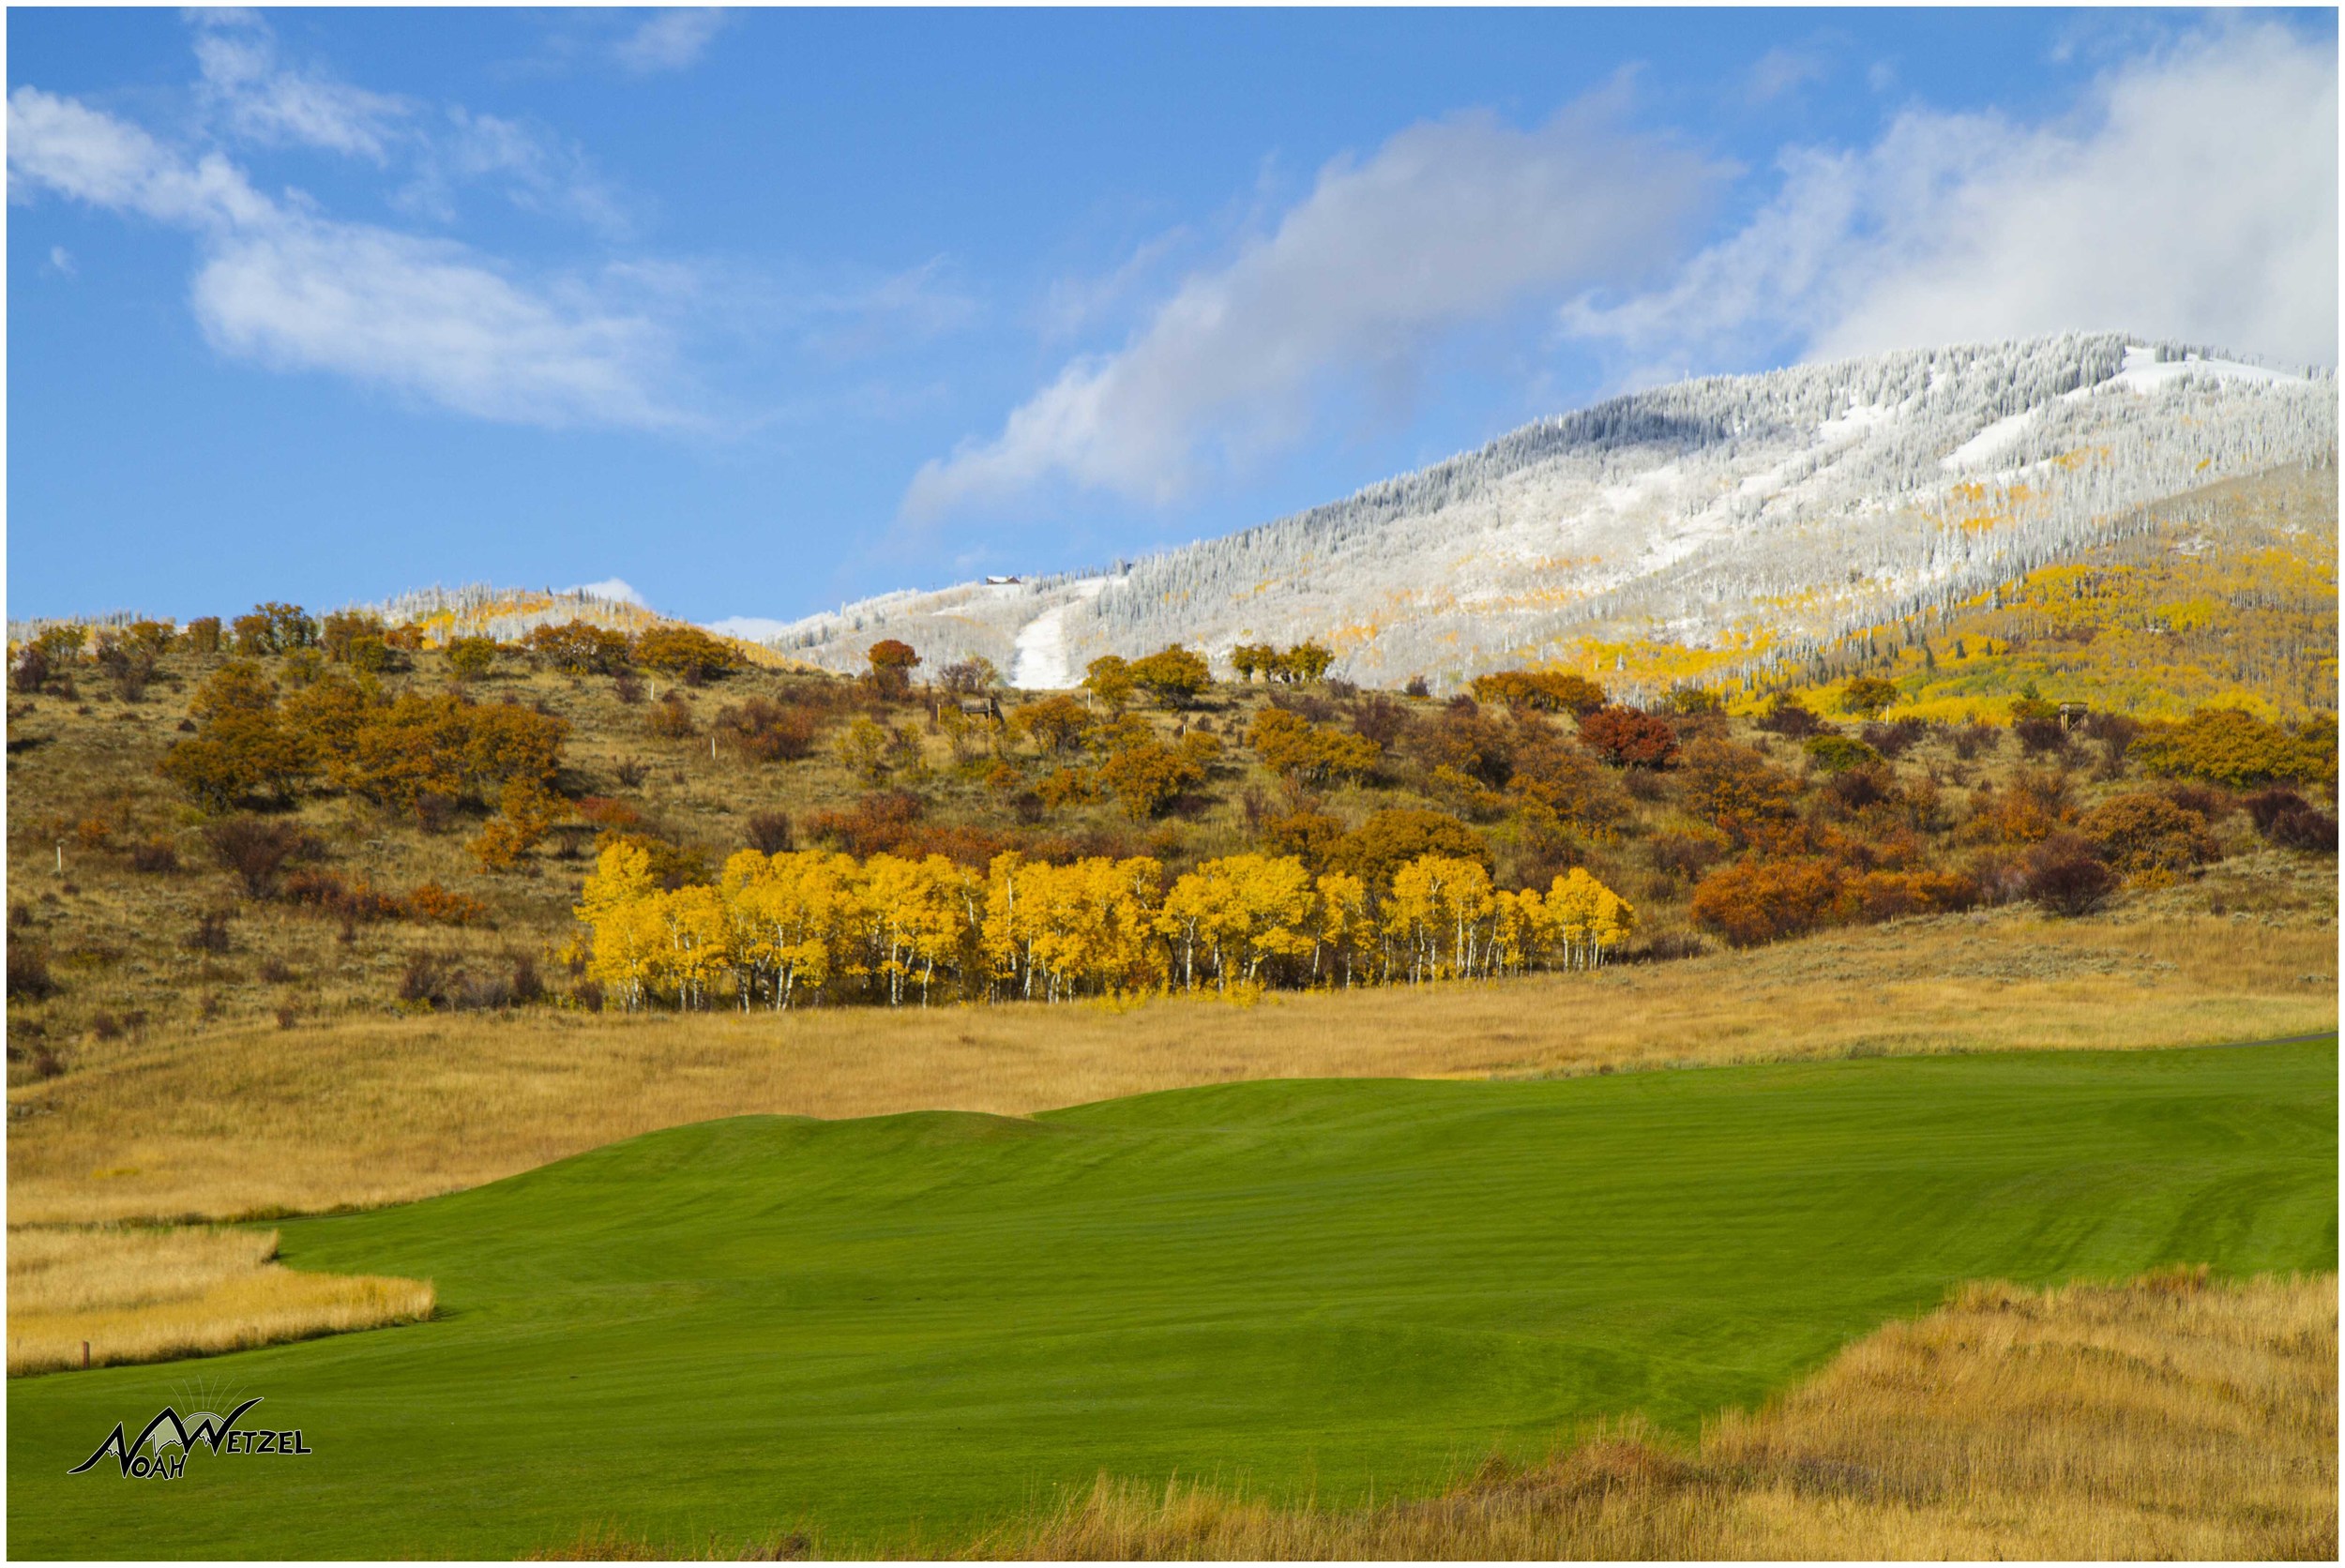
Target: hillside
x=2223 y=596
x=140 y=909
x=1749 y=520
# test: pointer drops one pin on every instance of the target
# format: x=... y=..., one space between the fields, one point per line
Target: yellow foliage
x=2235 y=612
x=809 y=925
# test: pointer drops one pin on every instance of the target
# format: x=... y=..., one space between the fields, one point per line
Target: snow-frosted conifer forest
x=1764 y=513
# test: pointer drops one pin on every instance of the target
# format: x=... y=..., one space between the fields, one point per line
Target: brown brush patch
x=157 y=1295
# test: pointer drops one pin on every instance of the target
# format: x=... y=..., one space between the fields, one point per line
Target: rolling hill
x=1749 y=521
x=1334 y=1289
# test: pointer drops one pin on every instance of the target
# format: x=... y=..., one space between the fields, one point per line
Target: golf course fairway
x=925 y=1322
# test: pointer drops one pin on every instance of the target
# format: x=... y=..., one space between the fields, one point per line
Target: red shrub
x=2063 y=878
x=879 y=823
x=1627 y=738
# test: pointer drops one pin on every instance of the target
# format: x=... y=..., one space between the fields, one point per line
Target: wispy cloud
x=1781 y=71
x=431 y=318
x=670 y=40
x=262 y=100
x=1074 y=306
x=2193 y=194
x=255 y=98
x=538 y=173
x=281 y=286
x=855 y=319
x=1450 y=222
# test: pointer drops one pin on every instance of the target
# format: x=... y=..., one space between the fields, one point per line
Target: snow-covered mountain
x=1758 y=514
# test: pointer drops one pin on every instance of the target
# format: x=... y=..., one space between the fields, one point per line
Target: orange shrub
x=1541 y=691
x=878 y=823
x=431 y=901
x=2138 y=833
x=1890 y=894
x=2035 y=807
x=603 y=811
x=1753 y=901
x=1738 y=790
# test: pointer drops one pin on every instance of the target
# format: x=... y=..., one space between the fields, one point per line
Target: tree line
x=808 y=927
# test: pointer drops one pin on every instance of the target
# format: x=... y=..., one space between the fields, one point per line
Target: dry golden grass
x=253 y=1122
x=2171 y=1418
x=155 y=1295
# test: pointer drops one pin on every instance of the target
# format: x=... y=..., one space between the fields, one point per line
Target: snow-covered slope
x=1755 y=513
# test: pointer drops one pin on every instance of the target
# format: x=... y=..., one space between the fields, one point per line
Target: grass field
x=245 y=1121
x=2170 y=1417
x=908 y=1327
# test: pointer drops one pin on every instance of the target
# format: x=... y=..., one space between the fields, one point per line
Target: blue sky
x=762 y=311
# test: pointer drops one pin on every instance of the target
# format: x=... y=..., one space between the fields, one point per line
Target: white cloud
x=748 y=628
x=429 y=318
x=609 y=588
x=56 y=142
x=61 y=259
x=2192 y=195
x=254 y=97
x=282 y=287
x=1780 y=71
x=671 y=40
x=540 y=172
x=1075 y=305
x=1448 y=223
x=266 y=102
x=857 y=317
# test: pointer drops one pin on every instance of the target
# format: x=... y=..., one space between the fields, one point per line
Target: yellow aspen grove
x=1589 y=917
x=618 y=901
x=1010 y=927
x=893 y=891
x=698 y=926
x=1236 y=914
x=1439 y=912
x=808 y=927
x=1572 y=903
x=797 y=913
x=1103 y=918
x=1519 y=930
x=1062 y=943
x=1275 y=897
x=1472 y=902
x=940 y=926
x=1203 y=912
x=1343 y=929
x=1615 y=921
x=1415 y=914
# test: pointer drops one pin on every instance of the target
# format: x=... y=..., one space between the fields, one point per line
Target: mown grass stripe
x=923 y=1321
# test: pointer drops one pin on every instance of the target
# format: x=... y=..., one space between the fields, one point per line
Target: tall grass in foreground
x=153 y=1295
x=2169 y=1418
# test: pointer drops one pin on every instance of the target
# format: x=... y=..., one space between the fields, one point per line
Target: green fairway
x=930 y=1320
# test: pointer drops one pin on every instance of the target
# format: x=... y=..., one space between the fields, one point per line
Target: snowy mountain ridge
x=1737 y=518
